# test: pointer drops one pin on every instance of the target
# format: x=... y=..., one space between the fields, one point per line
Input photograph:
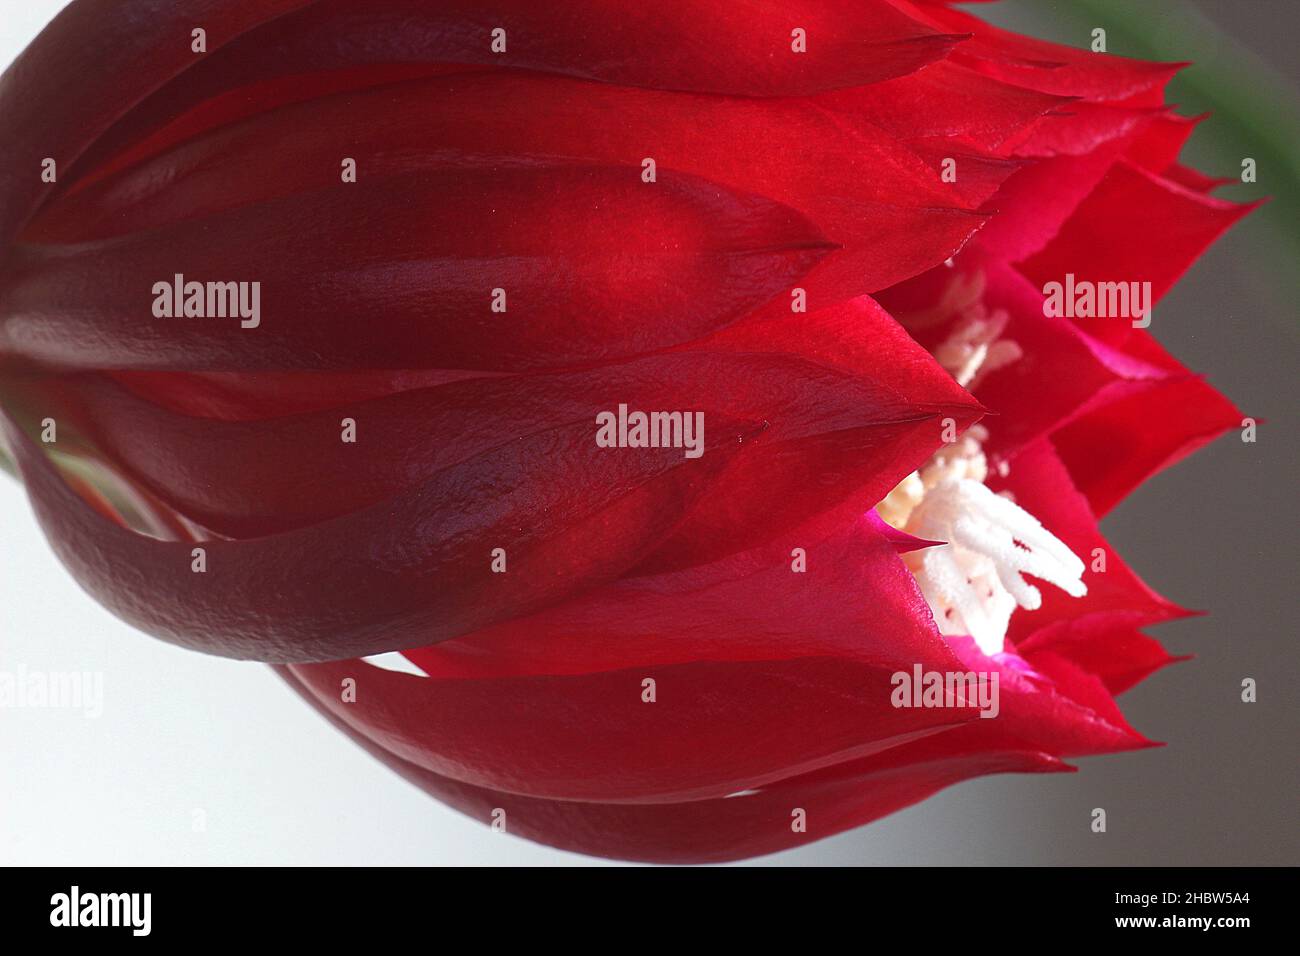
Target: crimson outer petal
x=551 y=705
x=358 y=583
x=865 y=190
x=674 y=45
x=731 y=828
x=425 y=251
x=139 y=45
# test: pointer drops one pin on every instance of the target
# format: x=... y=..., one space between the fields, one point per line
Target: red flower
x=458 y=243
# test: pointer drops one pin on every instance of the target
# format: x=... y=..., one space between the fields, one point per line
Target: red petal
x=862 y=189
x=551 y=705
x=847 y=471
x=1042 y=486
x=1195 y=180
x=1077 y=128
x=1051 y=67
x=1158 y=147
x=1061 y=373
x=244 y=396
x=743 y=48
x=1088 y=691
x=594 y=264
x=979 y=175
x=1108 y=238
x=1120 y=658
x=571 y=513
x=845 y=387
x=1045 y=704
x=948 y=101
x=404 y=572
x=94 y=62
x=1034 y=203
x=711 y=831
x=1112 y=450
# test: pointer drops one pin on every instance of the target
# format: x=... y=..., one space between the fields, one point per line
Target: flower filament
x=975 y=579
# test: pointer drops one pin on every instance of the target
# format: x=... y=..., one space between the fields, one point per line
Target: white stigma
x=975 y=580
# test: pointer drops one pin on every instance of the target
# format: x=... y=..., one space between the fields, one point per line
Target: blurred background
x=198 y=760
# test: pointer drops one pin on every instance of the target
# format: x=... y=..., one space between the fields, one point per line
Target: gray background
x=182 y=733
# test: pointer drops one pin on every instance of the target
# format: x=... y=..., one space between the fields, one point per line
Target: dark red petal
x=593 y=738
x=742 y=48
x=400 y=272
x=404 y=572
x=95 y=61
x=712 y=831
x=854 y=600
x=202 y=103
x=845 y=385
x=572 y=513
x=863 y=190
x=245 y=396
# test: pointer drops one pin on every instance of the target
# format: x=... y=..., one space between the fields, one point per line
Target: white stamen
x=973 y=349
x=975 y=581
